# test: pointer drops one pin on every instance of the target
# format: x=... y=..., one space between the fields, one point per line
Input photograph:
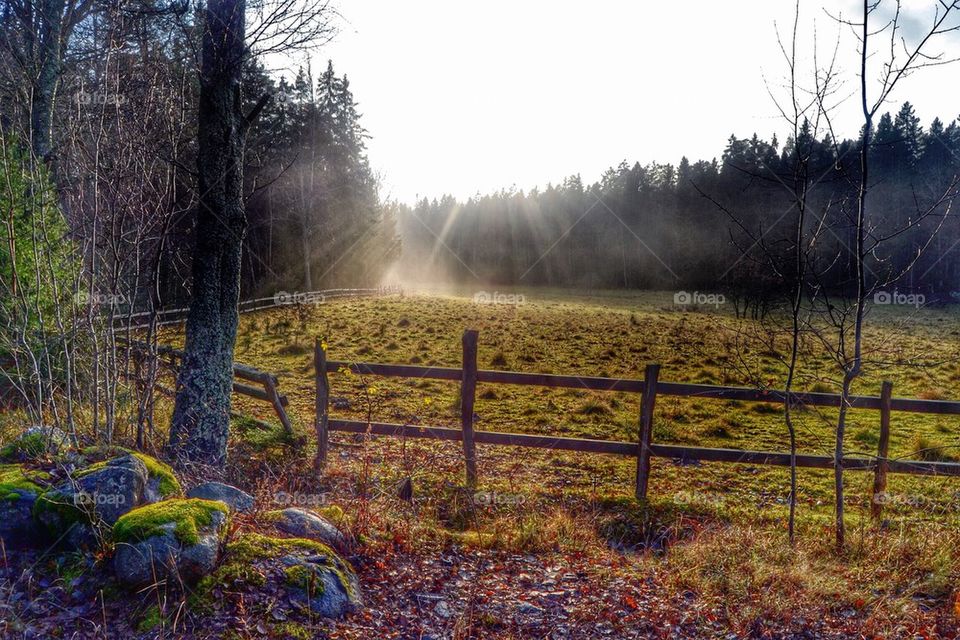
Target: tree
x=202 y=411
x=201 y=417
x=848 y=342
x=36 y=37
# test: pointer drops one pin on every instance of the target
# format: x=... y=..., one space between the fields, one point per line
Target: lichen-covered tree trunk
x=201 y=415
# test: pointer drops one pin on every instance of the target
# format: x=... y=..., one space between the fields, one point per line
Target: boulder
x=306 y=574
x=174 y=540
x=301 y=523
x=94 y=498
x=34 y=443
x=19 y=489
x=162 y=482
x=321 y=584
x=236 y=499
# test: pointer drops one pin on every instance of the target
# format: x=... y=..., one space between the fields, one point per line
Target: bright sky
x=467 y=97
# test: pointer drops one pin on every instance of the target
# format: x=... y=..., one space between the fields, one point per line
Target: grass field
x=716 y=530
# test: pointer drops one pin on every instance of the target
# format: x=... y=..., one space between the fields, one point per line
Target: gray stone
x=164 y=557
x=301 y=523
x=324 y=585
x=17 y=527
x=93 y=499
x=236 y=499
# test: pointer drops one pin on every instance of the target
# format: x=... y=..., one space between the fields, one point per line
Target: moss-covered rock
x=176 y=540
x=80 y=511
x=314 y=577
x=302 y=523
x=237 y=499
x=188 y=516
x=16 y=480
x=19 y=489
x=162 y=482
x=33 y=444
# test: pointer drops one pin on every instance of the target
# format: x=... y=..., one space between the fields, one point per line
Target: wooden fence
x=170 y=358
x=649 y=389
x=140 y=320
x=267 y=391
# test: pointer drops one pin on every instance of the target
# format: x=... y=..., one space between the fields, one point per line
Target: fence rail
x=268 y=391
x=630 y=385
x=280 y=299
x=649 y=388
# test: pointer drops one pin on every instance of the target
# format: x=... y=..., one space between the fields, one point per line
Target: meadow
x=714 y=530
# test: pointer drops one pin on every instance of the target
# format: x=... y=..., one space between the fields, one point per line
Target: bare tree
x=36 y=36
x=898 y=61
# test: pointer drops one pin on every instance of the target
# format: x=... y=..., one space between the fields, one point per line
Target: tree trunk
x=201 y=417
x=44 y=89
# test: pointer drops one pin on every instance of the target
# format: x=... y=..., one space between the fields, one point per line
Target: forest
x=697 y=224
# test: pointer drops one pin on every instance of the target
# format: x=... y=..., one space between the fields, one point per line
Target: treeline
x=726 y=224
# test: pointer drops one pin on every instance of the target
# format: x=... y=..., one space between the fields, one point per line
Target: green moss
x=151 y=620
x=188 y=516
x=302 y=577
x=254 y=546
x=14 y=478
x=58 y=513
x=96 y=466
x=293 y=631
x=168 y=486
x=167 y=483
x=239 y=566
x=28 y=447
x=333 y=513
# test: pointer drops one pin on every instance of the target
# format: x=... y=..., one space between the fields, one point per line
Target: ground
x=553 y=544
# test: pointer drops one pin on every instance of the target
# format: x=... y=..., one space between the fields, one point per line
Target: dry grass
x=716 y=530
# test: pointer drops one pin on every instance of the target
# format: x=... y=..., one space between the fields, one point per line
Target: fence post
x=274 y=397
x=647 y=401
x=883 y=465
x=322 y=411
x=468 y=390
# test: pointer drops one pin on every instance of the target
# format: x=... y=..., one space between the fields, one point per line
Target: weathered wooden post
x=468 y=389
x=270 y=386
x=883 y=447
x=322 y=413
x=647 y=401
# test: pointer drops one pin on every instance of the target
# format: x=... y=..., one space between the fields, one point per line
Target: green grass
x=607 y=334
x=723 y=524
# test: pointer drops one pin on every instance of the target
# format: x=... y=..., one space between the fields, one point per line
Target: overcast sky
x=467 y=97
